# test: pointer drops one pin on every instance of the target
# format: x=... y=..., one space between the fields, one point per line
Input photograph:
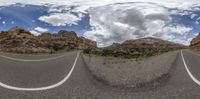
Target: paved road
x=81 y=84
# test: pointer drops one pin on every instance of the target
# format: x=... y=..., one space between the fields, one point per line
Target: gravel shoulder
x=127 y=72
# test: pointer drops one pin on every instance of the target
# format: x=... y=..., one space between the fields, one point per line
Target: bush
x=87 y=51
x=55 y=47
x=106 y=52
x=135 y=53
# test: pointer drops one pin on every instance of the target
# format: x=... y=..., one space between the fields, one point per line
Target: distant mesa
x=19 y=40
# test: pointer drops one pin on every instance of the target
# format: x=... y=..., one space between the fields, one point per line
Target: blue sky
x=106 y=21
x=26 y=16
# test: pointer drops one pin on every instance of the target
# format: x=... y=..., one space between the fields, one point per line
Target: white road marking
x=31 y=54
x=31 y=60
x=188 y=71
x=46 y=87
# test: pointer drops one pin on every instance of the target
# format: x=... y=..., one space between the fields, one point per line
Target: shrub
x=87 y=51
x=106 y=52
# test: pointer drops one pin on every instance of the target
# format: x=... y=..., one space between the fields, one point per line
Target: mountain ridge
x=138 y=48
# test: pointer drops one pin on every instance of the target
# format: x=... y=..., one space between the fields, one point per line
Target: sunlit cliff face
x=106 y=21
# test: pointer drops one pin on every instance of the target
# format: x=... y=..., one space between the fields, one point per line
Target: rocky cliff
x=144 y=45
x=148 y=42
x=195 y=43
x=19 y=40
x=67 y=40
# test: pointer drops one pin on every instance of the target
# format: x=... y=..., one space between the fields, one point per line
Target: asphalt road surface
x=65 y=76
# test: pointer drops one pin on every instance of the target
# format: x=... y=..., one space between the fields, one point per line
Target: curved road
x=80 y=84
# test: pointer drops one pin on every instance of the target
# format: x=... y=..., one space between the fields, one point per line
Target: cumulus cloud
x=38 y=30
x=178 y=29
x=60 y=19
x=119 y=20
x=180 y=12
x=117 y=23
x=193 y=16
x=36 y=33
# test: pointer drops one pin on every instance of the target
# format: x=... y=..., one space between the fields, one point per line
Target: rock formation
x=18 y=40
x=143 y=47
x=195 y=43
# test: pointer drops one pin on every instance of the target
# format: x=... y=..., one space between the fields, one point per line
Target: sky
x=106 y=21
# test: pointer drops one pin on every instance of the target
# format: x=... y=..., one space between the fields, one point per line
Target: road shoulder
x=129 y=73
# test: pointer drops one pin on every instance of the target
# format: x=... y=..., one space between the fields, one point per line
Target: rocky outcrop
x=195 y=43
x=84 y=43
x=67 y=40
x=18 y=40
x=145 y=43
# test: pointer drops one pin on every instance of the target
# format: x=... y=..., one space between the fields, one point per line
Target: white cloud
x=40 y=29
x=83 y=5
x=198 y=18
x=180 y=12
x=193 y=16
x=178 y=29
x=196 y=34
x=36 y=33
x=38 y=2
x=3 y=22
x=116 y=23
x=197 y=22
x=60 y=19
x=181 y=41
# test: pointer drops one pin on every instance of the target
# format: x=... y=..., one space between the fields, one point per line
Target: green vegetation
x=54 y=47
x=136 y=54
